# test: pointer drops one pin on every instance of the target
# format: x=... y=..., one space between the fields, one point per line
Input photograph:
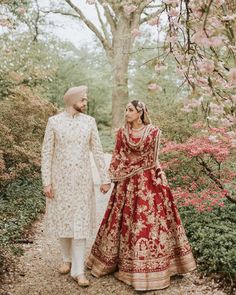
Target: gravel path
x=38 y=275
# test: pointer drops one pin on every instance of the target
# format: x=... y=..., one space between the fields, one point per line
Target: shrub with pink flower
x=201 y=172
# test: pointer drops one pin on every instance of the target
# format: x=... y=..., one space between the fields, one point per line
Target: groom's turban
x=74 y=95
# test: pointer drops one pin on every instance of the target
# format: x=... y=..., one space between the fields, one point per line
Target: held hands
x=104 y=188
x=48 y=191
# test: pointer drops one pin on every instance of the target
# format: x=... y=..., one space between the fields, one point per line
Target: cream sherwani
x=66 y=165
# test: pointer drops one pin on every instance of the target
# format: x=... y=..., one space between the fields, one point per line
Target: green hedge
x=213 y=237
x=20 y=205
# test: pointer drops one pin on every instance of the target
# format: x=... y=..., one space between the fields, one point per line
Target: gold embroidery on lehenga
x=141 y=233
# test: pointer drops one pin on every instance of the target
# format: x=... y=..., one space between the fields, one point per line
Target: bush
x=23 y=120
x=213 y=237
x=20 y=205
x=107 y=139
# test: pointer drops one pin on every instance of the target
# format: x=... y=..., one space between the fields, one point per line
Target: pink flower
x=215 y=22
x=201 y=39
x=216 y=109
x=7 y=50
x=180 y=57
x=155 y=21
x=212 y=118
x=21 y=10
x=218 y=3
x=194 y=103
x=201 y=82
x=198 y=125
x=172 y=39
x=173 y=12
x=154 y=87
x=6 y=23
x=160 y=67
x=226 y=123
x=233 y=143
x=232 y=76
x=233 y=98
x=135 y=33
x=196 y=11
x=216 y=41
x=213 y=138
x=206 y=66
x=128 y=9
x=187 y=109
x=231 y=134
x=229 y=17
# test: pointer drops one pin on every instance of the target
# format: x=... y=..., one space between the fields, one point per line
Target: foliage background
x=34 y=74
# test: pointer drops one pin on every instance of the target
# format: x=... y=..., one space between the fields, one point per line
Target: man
x=67 y=179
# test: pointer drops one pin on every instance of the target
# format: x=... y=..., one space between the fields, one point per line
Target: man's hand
x=104 y=188
x=48 y=191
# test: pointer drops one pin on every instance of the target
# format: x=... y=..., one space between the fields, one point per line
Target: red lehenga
x=141 y=235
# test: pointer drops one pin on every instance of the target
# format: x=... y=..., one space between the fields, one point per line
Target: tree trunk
x=122 y=43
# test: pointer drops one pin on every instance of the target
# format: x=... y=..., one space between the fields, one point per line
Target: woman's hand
x=48 y=191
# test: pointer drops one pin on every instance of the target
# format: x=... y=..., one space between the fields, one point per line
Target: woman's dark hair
x=135 y=104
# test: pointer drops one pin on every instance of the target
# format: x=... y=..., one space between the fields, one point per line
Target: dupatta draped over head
x=130 y=157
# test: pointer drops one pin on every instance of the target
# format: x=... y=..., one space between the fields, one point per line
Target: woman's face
x=131 y=114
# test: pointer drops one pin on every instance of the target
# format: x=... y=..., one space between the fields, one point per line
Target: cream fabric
x=65 y=244
x=66 y=165
x=74 y=251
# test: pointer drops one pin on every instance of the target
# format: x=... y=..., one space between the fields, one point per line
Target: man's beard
x=78 y=109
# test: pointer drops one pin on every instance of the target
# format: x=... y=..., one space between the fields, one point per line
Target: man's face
x=81 y=105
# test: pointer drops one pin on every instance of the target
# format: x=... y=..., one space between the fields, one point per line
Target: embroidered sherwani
x=66 y=165
x=141 y=235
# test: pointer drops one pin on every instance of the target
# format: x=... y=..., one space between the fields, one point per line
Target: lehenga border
x=144 y=281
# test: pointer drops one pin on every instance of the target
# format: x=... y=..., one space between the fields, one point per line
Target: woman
x=141 y=234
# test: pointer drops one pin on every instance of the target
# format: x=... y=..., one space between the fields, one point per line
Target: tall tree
x=118 y=28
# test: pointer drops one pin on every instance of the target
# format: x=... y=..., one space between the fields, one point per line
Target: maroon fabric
x=141 y=232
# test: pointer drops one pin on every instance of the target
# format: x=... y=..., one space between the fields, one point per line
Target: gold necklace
x=146 y=131
x=138 y=129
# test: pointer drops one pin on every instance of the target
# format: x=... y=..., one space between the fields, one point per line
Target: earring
x=139 y=120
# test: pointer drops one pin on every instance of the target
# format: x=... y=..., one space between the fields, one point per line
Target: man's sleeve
x=47 y=154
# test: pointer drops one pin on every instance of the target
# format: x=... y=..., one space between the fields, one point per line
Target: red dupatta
x=130 y=158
